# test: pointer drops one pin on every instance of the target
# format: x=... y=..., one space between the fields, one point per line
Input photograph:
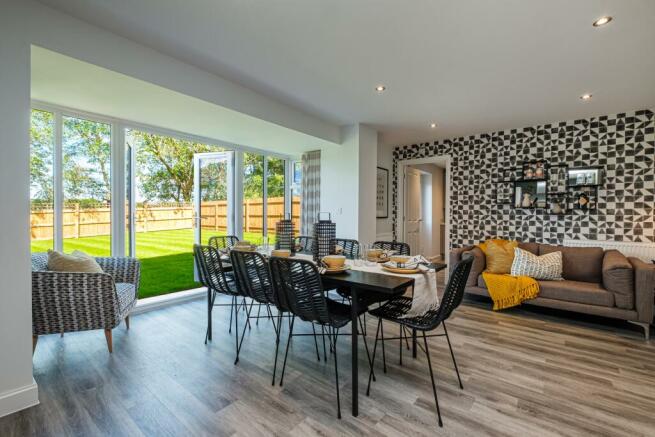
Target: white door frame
x=441 y=160
x=197 y=203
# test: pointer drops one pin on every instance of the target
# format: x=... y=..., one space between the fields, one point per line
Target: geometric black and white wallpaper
x=623 y=144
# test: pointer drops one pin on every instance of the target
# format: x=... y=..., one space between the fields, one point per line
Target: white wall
x=384 y=160
x=17 y=388
x=348 y=183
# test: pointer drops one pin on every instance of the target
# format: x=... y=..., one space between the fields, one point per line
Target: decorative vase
x=555 y=208
x=527 y=200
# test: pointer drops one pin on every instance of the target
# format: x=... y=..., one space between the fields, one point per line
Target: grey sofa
x=69 y=302
x=596 y=281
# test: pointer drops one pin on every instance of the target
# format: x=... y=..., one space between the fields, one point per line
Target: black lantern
x=284 y=235
x=325 y=232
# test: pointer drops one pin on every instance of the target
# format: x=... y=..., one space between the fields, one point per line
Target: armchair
x=71 y=302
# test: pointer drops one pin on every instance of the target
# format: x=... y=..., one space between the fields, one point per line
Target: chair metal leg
x=243 y=334
x=375 y=347
x=234 y=301
x=318 y=356
x=278 y=331
x=336 y=374
x=368 y=355
x=324 y=349
x=258 y=310
x=284 y=364
x=236 y=331
x=210 y=306
x=384 y=355
x=452 y=354
x=434 y=386
x=400 y=344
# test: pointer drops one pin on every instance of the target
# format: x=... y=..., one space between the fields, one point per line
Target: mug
x=334 y=262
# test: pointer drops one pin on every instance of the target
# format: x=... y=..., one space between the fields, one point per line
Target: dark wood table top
x=372 y=281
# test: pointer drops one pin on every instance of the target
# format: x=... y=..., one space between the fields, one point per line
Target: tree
x=41 y=157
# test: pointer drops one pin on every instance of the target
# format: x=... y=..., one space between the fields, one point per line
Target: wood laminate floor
x=525 y=373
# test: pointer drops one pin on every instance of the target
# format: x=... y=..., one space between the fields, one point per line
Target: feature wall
x=623 y=144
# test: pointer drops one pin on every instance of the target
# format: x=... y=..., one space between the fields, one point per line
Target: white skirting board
x=19 y=399
x=643 y=251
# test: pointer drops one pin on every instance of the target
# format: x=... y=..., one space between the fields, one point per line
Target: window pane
x=87 y=186
x=164 y=228
x=275 y=192
x=295 y=194
x=42 y=146
x=253 y=195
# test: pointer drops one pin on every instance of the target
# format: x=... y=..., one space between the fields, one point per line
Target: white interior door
x=213 y=196
x=413 y=209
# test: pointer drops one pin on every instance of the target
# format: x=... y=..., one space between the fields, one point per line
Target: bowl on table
x=334 y=262
x=281 y=253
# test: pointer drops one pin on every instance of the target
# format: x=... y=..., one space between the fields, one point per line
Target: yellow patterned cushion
x=483 y=245
x=500 y=255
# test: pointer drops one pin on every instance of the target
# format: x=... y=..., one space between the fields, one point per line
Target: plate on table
x=402 y=270
x=336 y=271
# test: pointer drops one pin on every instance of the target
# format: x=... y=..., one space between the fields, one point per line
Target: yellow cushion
x=74 y=262
x=499 y=256
x=483 y=245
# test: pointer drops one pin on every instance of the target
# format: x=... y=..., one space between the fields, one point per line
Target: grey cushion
x=481 y=282
x=126 y=295
x=618 y=277
x=582 y=264
x=479 y=264
x=575 y=291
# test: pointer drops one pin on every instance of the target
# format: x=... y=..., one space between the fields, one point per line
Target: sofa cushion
x=77 y=261
x=582 y=264
x=618 y=277
x=479 y=264
x=499 y=256
x=126 y=295
x=576 y=291
x=481 y=282
x=533 y=248
x=547 y=267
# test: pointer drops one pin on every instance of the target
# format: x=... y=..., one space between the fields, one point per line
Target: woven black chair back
x=350 y=247
x=305 y=244
x=253 y=276
x=299 y=289
x=400 y=248
x=223 y=241
x=454 y=293
x=210 y=269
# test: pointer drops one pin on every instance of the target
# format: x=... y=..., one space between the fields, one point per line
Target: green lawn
x=166 y=256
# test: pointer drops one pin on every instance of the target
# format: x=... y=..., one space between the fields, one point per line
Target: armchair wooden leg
x=127 y=322
x=109 y=342
x=35 y=339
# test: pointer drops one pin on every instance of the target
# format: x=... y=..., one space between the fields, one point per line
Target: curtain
x=310 y=191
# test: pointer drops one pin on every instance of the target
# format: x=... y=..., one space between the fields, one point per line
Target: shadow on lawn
x=166 y=274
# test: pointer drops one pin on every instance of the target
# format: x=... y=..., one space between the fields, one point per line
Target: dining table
x=366 y=286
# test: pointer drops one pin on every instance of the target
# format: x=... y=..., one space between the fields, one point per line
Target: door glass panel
x=295 y=194
x=275 y=194
x=42 y=147
x=253 y=198
x=87 y=186
x=213 y=196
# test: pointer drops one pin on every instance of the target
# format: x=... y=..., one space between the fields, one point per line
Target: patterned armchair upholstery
x=70 y=302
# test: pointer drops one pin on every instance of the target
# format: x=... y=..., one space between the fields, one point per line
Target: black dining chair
x=400 y=247
x=350 y=247
x=212 y=275
x=304 y=244
x=300 y=290
x=396 y=310
x=222 y=242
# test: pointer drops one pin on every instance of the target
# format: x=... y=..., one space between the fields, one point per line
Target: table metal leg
x=355 y=370
x=414 y=343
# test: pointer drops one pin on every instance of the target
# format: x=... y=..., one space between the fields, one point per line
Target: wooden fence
x=90 y=222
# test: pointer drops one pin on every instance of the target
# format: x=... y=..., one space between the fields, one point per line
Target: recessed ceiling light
x=433 y=125
x=380 y=88
x=602 y=21
x=585 y=97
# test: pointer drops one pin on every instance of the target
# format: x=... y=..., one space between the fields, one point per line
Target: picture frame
x=382 y=193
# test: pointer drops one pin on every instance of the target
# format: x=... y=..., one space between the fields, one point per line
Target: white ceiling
x=65 y=81
x=469 y=65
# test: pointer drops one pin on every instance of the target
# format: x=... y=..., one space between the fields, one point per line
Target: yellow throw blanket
x=508 y=291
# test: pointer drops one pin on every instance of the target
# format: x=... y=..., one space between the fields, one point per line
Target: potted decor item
x=556 y=208
x=527 y=200
x=528 y=173
x=539 y=172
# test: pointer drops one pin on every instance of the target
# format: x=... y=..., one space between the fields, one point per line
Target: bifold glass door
x=213 y=195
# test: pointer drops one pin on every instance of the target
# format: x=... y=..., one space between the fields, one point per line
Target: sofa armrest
x=644 y=289
x=479 y=262
x=122 y=269
x=69 y=302
x=618 y=277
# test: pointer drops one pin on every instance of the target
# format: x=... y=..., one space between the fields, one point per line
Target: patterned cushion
x=126 y=295
x=546 y=267
x=75 y=262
